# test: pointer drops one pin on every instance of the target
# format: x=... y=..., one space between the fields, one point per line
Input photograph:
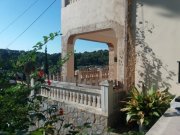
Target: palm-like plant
x=147 y=106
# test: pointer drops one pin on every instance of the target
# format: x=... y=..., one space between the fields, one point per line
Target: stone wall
x=78 y=117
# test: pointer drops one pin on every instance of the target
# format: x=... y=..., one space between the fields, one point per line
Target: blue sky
x=49 y=22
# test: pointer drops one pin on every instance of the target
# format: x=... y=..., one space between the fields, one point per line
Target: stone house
x=142 y=37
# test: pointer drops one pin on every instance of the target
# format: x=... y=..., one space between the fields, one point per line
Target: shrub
x=146 y=107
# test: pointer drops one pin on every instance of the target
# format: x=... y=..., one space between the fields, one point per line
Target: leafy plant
x=14 y=108
x=15 y=100
x=147 y=106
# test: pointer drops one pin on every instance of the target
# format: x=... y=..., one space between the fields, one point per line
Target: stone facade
x=142 y=36
x=78 y=117
x=102 y=25
x=80 y=105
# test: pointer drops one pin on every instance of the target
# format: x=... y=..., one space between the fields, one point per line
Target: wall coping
x=168 y=124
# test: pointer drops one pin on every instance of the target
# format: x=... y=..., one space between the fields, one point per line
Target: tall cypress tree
x=46 y=65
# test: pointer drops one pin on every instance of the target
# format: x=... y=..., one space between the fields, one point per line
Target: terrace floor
x=168 y=124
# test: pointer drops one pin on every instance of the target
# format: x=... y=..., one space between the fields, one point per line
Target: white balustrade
x=80 y=96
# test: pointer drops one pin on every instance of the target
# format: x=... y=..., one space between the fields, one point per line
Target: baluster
x=98 y=102
x=81 y=100
x=53 y=93
x=60 y=97
x=74 y=97
x=64 y=95
x=49 y=91
x=77 y=100
x=71 y=96
x=45 y=93
x=67 y=95
x=89 y=100
x=56 y=95
x=60 y=94
x=54 y=79
x=85 y=99
x=94 y=101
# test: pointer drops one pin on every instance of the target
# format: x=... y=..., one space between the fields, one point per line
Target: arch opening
x=107 y=40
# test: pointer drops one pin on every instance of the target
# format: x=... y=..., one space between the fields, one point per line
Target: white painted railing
x=97 y=100
x=73 y=95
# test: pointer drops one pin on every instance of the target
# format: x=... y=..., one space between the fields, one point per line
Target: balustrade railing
x=92 y=76
x=85 y=76
x=98 y=100
x=76 y=96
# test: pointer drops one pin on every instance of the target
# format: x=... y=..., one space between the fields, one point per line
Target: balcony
x=81 y=13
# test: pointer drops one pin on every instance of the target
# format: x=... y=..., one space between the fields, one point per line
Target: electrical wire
x=18 y=17
x=30 y=25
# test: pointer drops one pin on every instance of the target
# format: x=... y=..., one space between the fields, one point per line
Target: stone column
x=107 y=97
x=68 y=66
x=112 y=62
x=122 y=58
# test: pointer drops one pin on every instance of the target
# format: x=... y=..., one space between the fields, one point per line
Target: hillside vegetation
x=96 y=58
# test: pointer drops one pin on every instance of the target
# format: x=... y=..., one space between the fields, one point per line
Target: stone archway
x=111 y=33
x=105 y=36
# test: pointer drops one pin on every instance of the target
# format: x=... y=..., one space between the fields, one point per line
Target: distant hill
x=96 y=58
